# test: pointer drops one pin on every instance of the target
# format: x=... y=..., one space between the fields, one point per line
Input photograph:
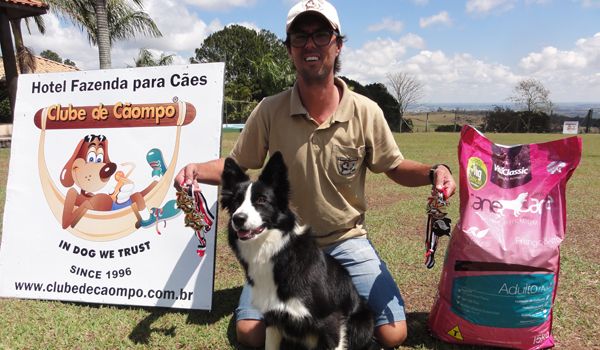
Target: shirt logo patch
x=347 y=166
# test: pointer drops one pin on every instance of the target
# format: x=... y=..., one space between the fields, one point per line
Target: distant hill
x=571 y=109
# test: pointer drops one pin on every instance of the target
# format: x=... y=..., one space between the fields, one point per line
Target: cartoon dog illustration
x=90 y=169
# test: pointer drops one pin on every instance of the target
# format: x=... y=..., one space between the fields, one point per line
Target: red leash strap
x=200 y=205
x=192 y=202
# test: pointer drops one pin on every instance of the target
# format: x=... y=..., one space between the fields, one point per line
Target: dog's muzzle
x=238 y=222
x=249 y=234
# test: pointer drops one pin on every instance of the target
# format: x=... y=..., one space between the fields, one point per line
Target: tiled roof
x=43 y=66
x=32 y=3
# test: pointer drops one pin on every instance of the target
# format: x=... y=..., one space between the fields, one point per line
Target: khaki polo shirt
x=326 y=163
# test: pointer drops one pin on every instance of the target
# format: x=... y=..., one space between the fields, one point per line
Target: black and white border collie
x=307 y=298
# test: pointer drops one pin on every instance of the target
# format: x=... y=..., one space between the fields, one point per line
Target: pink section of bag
x=501 y=268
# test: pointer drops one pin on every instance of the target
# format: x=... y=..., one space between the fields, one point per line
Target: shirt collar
x=343 y=113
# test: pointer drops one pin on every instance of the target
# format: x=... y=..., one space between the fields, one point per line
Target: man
x=328 y=136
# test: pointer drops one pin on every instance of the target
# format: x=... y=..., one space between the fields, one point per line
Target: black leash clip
x=438 y=225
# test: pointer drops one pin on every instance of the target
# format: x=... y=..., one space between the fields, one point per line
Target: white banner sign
x=91 y=214
x=571 y=127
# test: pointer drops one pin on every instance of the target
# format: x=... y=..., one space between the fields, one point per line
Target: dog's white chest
x=258 y=254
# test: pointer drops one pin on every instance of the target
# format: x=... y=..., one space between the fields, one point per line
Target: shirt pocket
x=345 y=163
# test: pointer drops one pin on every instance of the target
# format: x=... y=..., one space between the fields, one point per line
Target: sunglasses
x=320 y=38
x=92 y=137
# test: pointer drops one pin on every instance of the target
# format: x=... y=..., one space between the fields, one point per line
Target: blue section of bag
x=507 y=301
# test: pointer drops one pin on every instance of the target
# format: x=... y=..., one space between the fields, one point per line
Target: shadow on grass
x=419 y=336
x=418 y=333
x=224 y=303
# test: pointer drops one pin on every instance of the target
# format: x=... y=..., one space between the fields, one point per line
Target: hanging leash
x=197 y=217
x=438 y=224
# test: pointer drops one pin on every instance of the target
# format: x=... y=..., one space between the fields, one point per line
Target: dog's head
x=522 y=197
x=89 y=167
x=260 y=205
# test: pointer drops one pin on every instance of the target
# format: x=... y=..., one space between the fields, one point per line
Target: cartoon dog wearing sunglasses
x=90 y=169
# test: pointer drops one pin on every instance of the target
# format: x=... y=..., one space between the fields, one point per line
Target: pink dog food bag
x=500 y=272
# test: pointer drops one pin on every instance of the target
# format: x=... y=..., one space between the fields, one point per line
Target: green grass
x=395 y=219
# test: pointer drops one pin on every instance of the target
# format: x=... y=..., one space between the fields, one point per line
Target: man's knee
x=250 y=333
x=392 y=334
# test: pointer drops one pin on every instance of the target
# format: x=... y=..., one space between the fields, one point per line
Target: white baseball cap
x=321 y=7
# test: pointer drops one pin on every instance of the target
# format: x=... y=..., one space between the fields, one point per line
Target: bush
x=5 y=109
x=507 y=120
x=447 y=128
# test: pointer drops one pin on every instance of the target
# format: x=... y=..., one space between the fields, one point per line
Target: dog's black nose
x=239 y=219
x=108 y=170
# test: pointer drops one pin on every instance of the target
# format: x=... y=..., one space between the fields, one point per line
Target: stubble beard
x=311 y=77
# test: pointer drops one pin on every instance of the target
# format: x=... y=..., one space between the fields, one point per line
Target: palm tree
x=107 y=21
x=102 y=33
x=25 y=59
x=146 y=59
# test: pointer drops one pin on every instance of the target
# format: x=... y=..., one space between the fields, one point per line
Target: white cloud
x=590 y=3
x=64 y=39
x=441 y=18
x=458 y=78
x=552 y=59
x=220 y=5
x=568 y=74
x=375 y=59
x=180 y=37
x=387 y=24
x=571 y=74
x=484 y=7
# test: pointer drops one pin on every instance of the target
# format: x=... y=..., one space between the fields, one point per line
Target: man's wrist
x=433 y=169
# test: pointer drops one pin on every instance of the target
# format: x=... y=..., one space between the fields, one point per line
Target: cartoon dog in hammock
x=90 y=169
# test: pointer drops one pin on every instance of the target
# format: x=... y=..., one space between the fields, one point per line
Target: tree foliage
x=51 y=55
x=147 y=59
x=25 y=56
x=256 y=66
x=407 y=90
x=107 y=21
x=531 y=96
x=379 y=93
x=68 y=62
x=507 y=120
x=257 y=60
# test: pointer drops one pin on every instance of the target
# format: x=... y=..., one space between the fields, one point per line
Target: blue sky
x=461 y=50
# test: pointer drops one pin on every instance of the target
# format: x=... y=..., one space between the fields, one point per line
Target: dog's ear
x=232 y=175
x=66 y=175
x=275 y=174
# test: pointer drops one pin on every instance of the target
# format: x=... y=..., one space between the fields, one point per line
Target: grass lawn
x=396 y=219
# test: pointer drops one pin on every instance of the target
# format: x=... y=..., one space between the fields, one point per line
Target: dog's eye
x=261 y=200
x=100 y=158
x=91 y=157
